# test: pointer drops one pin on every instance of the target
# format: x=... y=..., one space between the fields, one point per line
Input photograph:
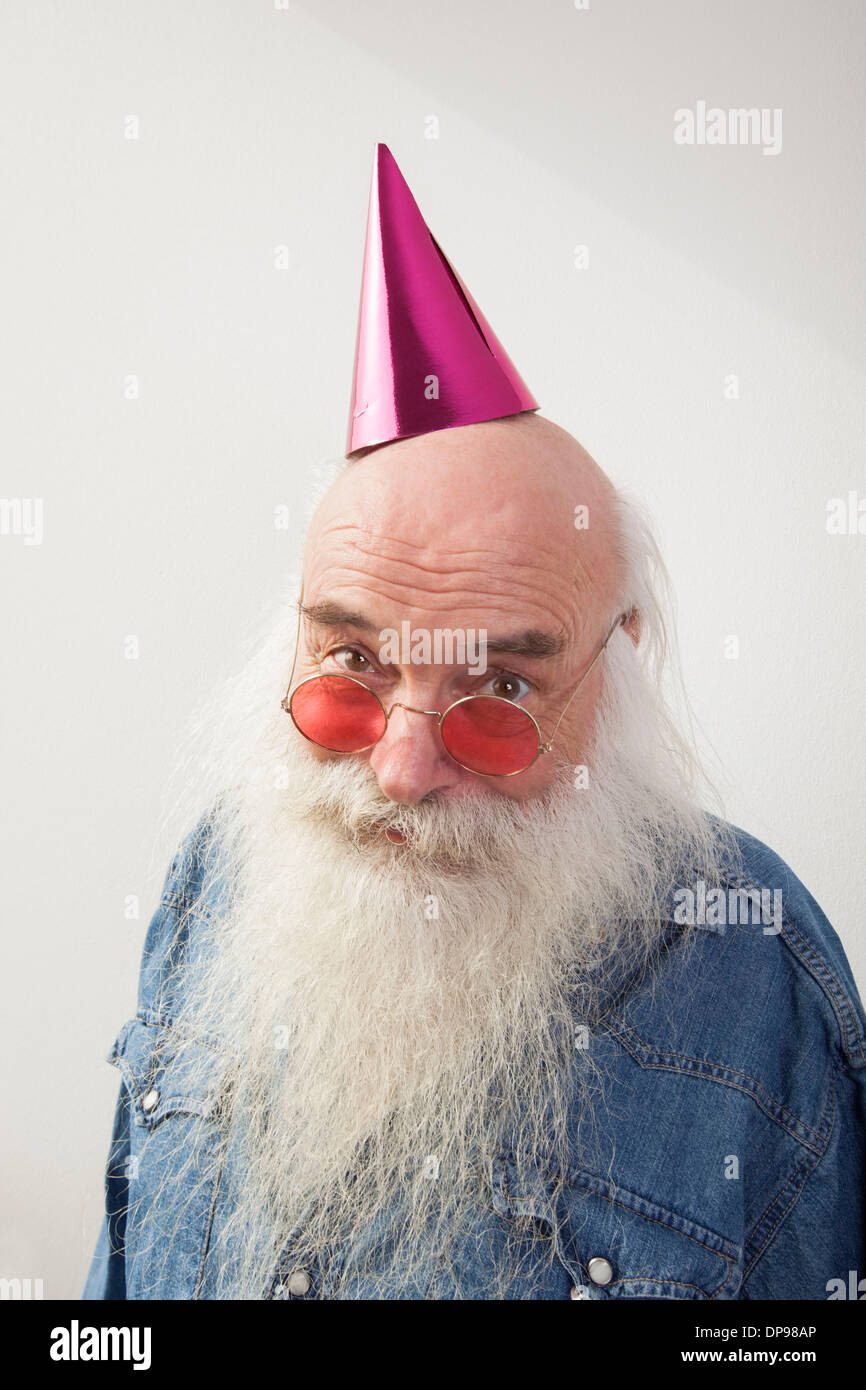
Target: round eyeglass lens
x=490 y=736
x=338 y=713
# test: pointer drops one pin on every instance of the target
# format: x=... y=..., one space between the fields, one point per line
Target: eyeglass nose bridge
x=398 y=704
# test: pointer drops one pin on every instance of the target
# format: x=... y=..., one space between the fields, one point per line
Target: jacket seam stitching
x=612 y=1196
x=199 y=1281
x=851 y=1031
x=801 y=1174
x=771 y=1107
x=664 y=1283
x=851 y=1040
x=645 y=1217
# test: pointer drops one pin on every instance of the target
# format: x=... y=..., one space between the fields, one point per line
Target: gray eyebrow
x=330 y=614
x=531 y=642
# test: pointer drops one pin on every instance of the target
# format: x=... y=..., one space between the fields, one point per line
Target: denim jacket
x=730 y=1159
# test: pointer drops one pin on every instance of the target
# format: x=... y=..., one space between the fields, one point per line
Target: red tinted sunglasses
x=485 y=734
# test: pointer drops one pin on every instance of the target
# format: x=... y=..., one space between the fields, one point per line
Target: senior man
x=455 y=990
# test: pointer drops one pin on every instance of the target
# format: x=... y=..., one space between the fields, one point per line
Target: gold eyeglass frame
x=543 y=746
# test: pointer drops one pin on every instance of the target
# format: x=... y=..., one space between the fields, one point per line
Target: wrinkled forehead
x=487 y=519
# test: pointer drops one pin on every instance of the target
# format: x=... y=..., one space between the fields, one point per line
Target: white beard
x=398 y=1014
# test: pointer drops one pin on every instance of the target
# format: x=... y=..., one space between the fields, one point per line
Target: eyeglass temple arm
x=285 y=699
x=621 y=620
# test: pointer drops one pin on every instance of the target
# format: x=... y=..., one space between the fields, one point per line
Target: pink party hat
x=425 y=357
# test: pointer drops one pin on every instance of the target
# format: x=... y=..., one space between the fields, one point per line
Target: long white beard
x=398 y=1014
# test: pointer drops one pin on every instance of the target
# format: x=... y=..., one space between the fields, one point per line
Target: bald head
x=482 y=517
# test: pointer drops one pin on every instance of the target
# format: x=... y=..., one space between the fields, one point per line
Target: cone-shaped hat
x=425 y=358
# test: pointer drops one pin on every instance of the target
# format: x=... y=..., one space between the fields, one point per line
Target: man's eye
x=353 y=662
x=506 y=686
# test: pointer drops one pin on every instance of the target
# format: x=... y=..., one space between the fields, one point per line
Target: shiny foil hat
x=425 y=357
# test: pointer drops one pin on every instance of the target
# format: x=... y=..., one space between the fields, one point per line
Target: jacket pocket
x=163 y=1077
x=617 y=1244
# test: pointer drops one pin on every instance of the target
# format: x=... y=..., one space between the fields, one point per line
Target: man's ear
x=632 y=625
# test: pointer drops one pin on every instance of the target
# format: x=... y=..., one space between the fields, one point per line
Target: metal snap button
x=600 y=1270
x=579 y=1291
x=298 y=1283
x=151 y=1100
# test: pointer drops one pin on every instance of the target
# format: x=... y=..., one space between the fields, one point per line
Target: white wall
x=154 y=257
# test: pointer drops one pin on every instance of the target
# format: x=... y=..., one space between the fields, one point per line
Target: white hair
x=647 y=590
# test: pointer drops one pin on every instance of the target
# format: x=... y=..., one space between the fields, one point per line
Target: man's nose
x=409 y=760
